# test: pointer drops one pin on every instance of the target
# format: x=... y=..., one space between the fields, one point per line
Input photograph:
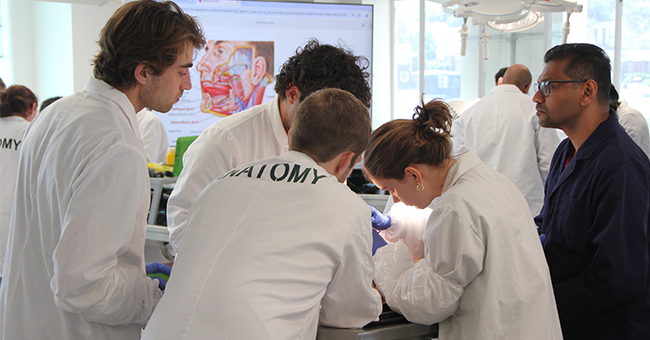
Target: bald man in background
x=503 y=130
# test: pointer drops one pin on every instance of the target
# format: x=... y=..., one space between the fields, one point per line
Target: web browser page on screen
x=247 y=43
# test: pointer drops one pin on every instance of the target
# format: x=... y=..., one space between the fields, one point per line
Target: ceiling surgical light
x=506 y=15
x=531 y=20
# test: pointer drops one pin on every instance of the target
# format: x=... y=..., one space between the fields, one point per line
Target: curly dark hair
x=317 y=66
x=143 y=31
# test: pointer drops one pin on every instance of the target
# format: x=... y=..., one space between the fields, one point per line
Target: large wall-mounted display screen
x=247 y=43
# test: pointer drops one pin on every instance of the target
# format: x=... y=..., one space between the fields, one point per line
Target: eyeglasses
x=545 y=86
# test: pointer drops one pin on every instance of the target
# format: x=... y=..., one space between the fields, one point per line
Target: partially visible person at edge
x=631 y=120
x=75 y=264
x=18 y=107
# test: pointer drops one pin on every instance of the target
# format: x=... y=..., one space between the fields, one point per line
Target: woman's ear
x=414 y=173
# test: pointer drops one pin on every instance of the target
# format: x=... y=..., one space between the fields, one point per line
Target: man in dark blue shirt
x=597 y=202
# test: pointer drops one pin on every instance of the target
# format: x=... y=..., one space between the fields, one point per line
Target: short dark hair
x=143 y=31
x=329 y=122
x=48 y=101
x=613 y=98
x=425 y=139
x=317 y=66
x=500 y=74
x=2 y=86
x=17 y=100
x=586 y=61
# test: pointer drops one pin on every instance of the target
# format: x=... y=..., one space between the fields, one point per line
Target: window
x=438 y=52
x=439 y=55
x=635 y=55
x=1 y=45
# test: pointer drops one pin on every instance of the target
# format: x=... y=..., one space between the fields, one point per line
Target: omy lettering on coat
x=8 y=142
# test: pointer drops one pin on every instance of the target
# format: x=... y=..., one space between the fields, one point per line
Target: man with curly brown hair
x=262 y=131
x=74 y=266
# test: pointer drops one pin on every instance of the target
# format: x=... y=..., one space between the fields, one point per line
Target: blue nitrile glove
x=542 y=238
x=377 y=241
x=379 y=220
x=159 y=272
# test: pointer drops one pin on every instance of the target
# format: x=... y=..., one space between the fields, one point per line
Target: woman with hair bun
x=18 y=106
x=483 y=275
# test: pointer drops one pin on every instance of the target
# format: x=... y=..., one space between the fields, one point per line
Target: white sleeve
x=634 y=126
x=458 y=136
x=546 y=141
x=154 y=138
x=429 y=291
x=205 y=160
x=91 y=276
x=350 y=300
x=407 y=225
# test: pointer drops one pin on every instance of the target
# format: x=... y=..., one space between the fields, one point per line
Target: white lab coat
x=250 y=135
x=484 y=275
x=503 y=130
x=154 y=136
x=635 y=125
x=271 y=249
x=12 y=129
x=75 y=257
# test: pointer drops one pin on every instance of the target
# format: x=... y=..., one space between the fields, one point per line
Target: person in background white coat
x=18 y=107
x=503 y=130
x=261 y=131
x=153 y=135
x=287 y=247
x=75 y=257
x=483 y=275
x=632 y=121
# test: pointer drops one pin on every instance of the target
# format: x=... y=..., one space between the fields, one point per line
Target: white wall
x=50 y=44
x=18 y=32
x=87 y=22
x=53 y=60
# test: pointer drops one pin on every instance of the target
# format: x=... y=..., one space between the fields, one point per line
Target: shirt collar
x=604 y=130
x=305 y=160
x=505 y=88
x=103 y=91
x=273 y=113
x=464 y=162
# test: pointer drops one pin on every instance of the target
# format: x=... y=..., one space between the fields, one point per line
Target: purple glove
x=379 y=220
x=159 y=272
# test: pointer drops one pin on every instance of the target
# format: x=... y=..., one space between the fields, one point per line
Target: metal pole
x=481 y=66
x=422 y=57
x=618 y=28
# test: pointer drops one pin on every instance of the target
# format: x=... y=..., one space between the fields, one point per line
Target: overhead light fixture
x=531 y=20
x=507 y=15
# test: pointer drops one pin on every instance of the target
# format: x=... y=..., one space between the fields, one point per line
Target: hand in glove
x=159 y=272
x=379 y=220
